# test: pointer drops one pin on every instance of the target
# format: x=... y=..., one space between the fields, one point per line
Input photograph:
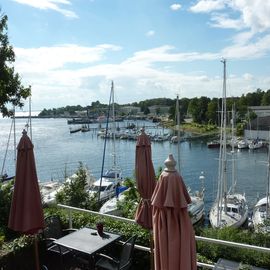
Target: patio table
x=87 y=240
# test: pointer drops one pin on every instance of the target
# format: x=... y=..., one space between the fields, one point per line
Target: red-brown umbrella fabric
x=174 y=238
x=145 y=178
x=26 y=213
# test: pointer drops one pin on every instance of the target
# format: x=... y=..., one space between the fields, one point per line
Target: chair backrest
x=127 y=252
x=53 y=227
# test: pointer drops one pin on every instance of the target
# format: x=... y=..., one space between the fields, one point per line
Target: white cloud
x=163 y=54
x=77 y=75
x=208 y=6
x=50 y=58
x=252 y=14
x=50 y=4
x=150 y=33
x=248 y=76
x=250 y=50
x=223 y=21
x=175 y=7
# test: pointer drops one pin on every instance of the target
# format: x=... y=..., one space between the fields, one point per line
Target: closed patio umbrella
x=174 y=238
x=146 y=182
x=145 y=178
x=26 y=213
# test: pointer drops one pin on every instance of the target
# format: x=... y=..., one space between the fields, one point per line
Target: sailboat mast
x=224 y=146
x=222 y=185
x=105 y=144
x=233 y=152
x=178 y=132
x=113 y=126
x=30 y=117
x=14 y=135
x=268 y=182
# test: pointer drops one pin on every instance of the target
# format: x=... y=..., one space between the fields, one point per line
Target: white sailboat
x=261 y=211
x=196 y=207
x=106 y=186
x=229 y=208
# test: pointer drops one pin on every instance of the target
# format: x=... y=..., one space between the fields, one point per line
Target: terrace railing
x=198 y=238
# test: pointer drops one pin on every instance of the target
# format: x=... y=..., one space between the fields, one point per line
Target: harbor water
x=58 y=153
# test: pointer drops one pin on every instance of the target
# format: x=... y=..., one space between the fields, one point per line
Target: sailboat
x=196 y=207
x=4 y=177
x=229 y=209
x=108 y=183
x=261 y=212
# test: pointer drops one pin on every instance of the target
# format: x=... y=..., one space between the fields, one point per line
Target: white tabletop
x=87 y=240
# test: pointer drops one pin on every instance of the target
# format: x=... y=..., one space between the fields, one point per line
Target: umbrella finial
x=142 y=130
x=170 y=164
x=24 y=132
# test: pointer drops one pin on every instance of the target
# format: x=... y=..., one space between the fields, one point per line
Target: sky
x=69 y=51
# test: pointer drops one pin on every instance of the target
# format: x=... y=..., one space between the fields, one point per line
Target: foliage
x=202 y=109
x=129 y=205
x=212 y=111
x=74 y=193
x=183 y=106
x=19 y=243
x=214 y=251
x=199 y=128
x=5 y=203
x=159 y=171
x=11 y=90
x=207 y=252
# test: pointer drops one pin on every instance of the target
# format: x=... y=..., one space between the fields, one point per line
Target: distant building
x=130 y=110
x=261 y=110
x=81 y=113
x=258 y=128
x=159 y=109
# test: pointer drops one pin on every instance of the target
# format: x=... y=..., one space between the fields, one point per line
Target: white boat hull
x=196 y=209
x=235 y=215
x=260 y=216
x=49 y=190
x=255 y=145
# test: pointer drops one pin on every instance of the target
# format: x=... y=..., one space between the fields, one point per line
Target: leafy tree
x=5 y=204
x=197 y=108
x=74 y=193
x=183 y=106
x=203 y=103
x=193 y=109
x=212 y=111
x=12 y=92
x=129 y=205
x=266 y=98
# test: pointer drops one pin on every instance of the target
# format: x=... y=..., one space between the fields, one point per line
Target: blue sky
x=70 y=50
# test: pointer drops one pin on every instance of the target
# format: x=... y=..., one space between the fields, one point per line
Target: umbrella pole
x=151 y=250
x=36 y=252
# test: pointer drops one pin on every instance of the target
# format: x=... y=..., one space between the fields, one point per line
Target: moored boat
x=48 y=191
x=75 y=130
x=242 y=144
x=230 y=212
x=255 y=144
x=85 y=128
x=261 y=216
x=110 y=206
x=213 y=144
x=261 y=212
x=230 y=208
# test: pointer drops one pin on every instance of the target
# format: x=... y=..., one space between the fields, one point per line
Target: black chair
x=52 y=231
x=123 y=262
